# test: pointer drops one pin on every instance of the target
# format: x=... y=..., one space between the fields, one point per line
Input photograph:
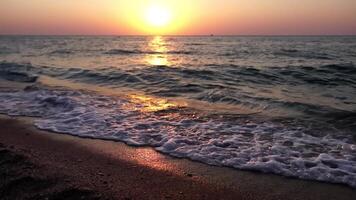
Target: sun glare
x=158 y=16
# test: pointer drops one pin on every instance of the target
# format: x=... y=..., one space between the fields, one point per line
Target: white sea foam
x=266 y=147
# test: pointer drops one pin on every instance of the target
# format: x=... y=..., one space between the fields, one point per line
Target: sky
x=178 y=17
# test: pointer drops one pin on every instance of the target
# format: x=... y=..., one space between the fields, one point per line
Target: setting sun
x=158 y=16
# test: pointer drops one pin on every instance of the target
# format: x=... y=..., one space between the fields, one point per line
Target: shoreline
x=101 y=169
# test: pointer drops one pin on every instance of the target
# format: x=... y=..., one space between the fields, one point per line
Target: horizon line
x=186 y=35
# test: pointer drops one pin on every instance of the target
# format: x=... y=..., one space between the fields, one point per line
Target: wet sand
x=36 y=164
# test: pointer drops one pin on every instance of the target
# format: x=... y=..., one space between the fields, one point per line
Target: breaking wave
x=242 y=143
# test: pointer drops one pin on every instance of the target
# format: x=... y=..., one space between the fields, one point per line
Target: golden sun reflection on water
x=158 y=47
x=158 y=44
x=151 y=104
x=158 y=60
x=158 y=56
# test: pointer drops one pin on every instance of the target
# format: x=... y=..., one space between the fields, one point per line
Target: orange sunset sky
x=178 y=17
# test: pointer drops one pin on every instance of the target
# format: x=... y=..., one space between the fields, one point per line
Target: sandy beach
x=42 y=165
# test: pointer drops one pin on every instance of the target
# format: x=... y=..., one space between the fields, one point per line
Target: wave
x=61 y=52
x=348 y=68
x=211 y=84
x=290 y=50
x=294 y=53
x=243 y=143
x=231 y=75
x=328 y=75
x=226 y=76
x=127 y=52
x=196 y=44
x=122 y=52
x=7 y=50
x=18 y=76
x=12 y=74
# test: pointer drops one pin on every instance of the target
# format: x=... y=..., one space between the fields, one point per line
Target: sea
x=272 y=104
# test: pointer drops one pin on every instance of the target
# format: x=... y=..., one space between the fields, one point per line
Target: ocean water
x=283 y=105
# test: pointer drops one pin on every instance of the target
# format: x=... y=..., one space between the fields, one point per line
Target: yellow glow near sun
x=158 y=15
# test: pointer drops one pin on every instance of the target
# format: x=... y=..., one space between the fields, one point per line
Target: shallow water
x=285 y=105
